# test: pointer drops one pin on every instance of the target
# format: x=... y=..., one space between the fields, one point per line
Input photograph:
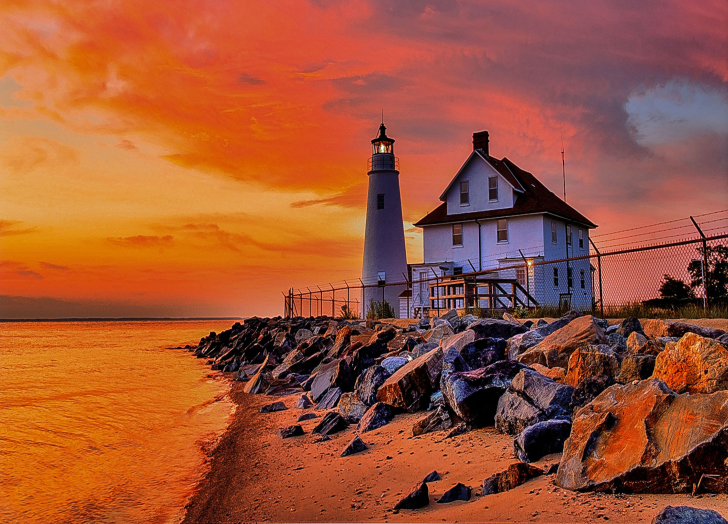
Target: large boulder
x=351 y=407
x=688 y=515
x=412 y=384
x=366 y=355
x=556 y=349
x=368 y=383
x=483 y=352
x=392 y=364
x=334 y=374
x=329 y=400
x=644 y=438
x=591 y=361
x=589 y=389
x=541 y=439
x=639 y=344
x=302 y=335
x=437 y=420
x=520 y=343
x=342 y=342
x=438 y=333
x=378 y=415
x=458 y=341
x=496 y=328
x=694 y=364
x=636 y=367
x=473 y=395
x=655 y=328
x=628 y=326
x=532 y=398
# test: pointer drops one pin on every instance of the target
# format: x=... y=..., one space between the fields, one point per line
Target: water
x=101 y=422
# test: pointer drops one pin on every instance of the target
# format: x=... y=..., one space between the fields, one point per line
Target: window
x=556 y=277
x=521 y=275
x=493 y=188
x=583 y=284
x=502 y=230
x=568 y=234
x=464 y=195
x=457 y=234
x=569 y=279
x=424 y=289
x=380 y=201
x=381 y=278
x=553 y=232
x=581 y=239
x=457 y=271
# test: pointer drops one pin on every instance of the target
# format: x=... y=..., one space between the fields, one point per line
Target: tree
x=675 y=289
x=716 y=272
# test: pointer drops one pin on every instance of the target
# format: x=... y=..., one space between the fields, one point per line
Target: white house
x=494 y=216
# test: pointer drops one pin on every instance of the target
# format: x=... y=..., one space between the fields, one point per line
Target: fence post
x=528 y=278
x=333 y=301
x=362 y=313
x=437 y=290
x=348 y=297
x=407 y=289
x=599 y=267
x=703 y=264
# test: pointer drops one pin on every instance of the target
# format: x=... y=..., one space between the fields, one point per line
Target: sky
x=197 y=158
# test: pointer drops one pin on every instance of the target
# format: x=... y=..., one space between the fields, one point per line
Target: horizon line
x=115 y=319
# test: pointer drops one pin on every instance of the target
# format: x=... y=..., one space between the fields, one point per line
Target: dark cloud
x=248 y=79
x=13 y=227
x=11 y=270
x=54 y=267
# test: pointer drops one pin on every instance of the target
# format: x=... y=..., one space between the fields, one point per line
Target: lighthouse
x=385 y=259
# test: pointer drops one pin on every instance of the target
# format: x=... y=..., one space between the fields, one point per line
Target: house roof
x=496 y=164
x=533 y=197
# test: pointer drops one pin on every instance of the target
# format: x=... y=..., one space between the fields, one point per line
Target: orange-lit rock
x=556 y=349
x=412 y=384
x=694 y=364
x=591 y=361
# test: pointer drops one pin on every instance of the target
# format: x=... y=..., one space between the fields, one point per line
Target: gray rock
x=352 y=408
x=436 y=401
x=629 y=325
x=421 y=349
x=392 y=364
x=355 y=446
x=496 y=328
x=418 y=497
x=290 y=431
x=438 y=420
x=275 y=406
x=541 y=439
x=457 y=492
x=688 y=515
x=334 y=374
x=329 y=400
x=307 y=416
x=369 y=383
x=378 y=415
x=304 y=402
x=331 y=423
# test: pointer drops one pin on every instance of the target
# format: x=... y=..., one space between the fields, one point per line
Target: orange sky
x=197 y=158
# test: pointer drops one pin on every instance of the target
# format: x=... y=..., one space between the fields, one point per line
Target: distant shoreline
x=118 y=319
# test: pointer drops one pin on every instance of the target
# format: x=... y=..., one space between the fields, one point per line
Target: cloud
x=11 y=270
x=54 y=267
x=354 y=196
x=126 y=145
x=22 y=155
x=142 y=241
x=11 y=227
x=248 y=79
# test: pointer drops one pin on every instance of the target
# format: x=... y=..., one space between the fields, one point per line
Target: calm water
x=100 y=422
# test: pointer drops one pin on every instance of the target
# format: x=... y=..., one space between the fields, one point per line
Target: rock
x=275 y=406
x=473 y=395
x=432 y=477
x=591 y=361
x=679 y=329
x=457 y=492
x=418 y=497
x=341 y=343
x=366 y=356
x=290 y=431
x=303 y=335
x=259 y=381
x=588 y=390
x=282 y=387
x=421 y=349
x=331 y=423
x=336 y=374
x=517 y=344
x=460 y=429
x=555 y=374
x=436 y=401
x=352 y=408
x=329 y=400
x=694 y=364
x=458 y=341
x=617 y=342
x=369 y=383
x=304 y=402
x=688 y=515
x=723 y=339
x=483 y=352
x=451 y=316
x=509 y=317
x=392 y=364
x=378 y=415
x=644 y=438
x=412 y=384
x=355 y=446
x=628 y=326
x=541 y=439
x=638 y=344
x=307 y=416
x=514 y=476
x=636 y=367
x=496 y=328
x=556 y=349
x=532 y=398
x=438 y=420
x=437 y=333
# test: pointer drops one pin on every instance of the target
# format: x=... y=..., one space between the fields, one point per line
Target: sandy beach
x=255 y=476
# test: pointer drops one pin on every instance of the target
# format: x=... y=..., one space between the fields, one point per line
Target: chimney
x=480 y=141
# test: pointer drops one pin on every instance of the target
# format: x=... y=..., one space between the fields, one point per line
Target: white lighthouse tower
x=385 y=259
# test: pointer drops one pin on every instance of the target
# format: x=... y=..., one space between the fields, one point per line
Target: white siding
x=477 y=171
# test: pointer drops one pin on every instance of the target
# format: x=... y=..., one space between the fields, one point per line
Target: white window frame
x=498 y=230
x=581 y=239
x=455 y=235
x=554 y=235
x=465 y=193
x=491 y=188
x=521 y=275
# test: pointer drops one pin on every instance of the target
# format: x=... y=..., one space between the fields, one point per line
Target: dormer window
x=493 y=189
x=464 y=193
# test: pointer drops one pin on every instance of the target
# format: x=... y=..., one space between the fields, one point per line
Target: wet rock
x=307 y=416
x=352 y=408
x=532 y=398
x=591 y=361
x=628 y=326
x=329 y=400
x=378 y=415
x=418 y=497
x=369 y=383
x=412 y=384
x=304 y=402
x=588 y=390
x=275 y=406
x=392 y=364
x=636 y=367
x=556 y=349
x=355 y=446
x=290 y=431
x=432 y=477
x=330 y=424
x=694 y=364
x=496 y=328
x=541 y=439
x=457 y=492
x=438 y=420
x=473 y=395
x=637 y=439
x=688 y=515
x=514 y=476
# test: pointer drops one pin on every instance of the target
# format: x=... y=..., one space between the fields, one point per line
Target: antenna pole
x=563 y=164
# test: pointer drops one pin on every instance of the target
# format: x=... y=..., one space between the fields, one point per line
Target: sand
x=257 y=477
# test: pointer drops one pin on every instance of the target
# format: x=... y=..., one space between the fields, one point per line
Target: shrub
x=380 y=309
